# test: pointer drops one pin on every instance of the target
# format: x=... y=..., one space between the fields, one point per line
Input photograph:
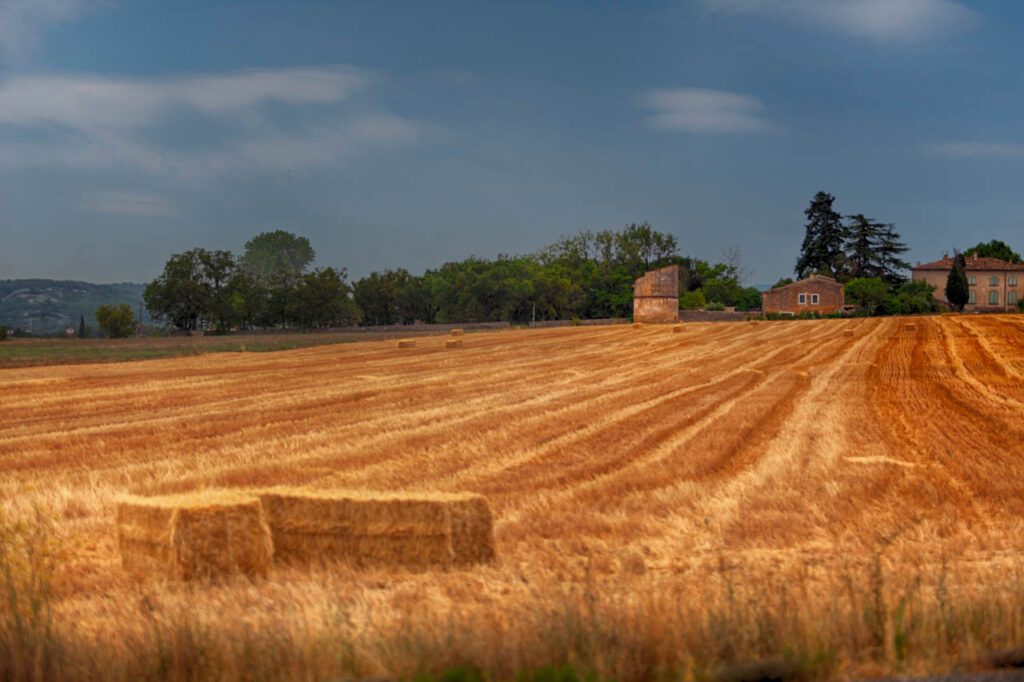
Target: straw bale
x=200 y=535
x=910 y=327
x=453 y=344
x=847 y=332
x=407 y=344
x=677 y=328
x=378 y=529
x=637 y=325
x=472 y=530
x=458 y=332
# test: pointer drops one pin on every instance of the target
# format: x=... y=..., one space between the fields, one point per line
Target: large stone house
x=816 y=293
x=995 y=285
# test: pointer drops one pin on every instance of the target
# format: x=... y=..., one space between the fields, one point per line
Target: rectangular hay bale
x=453 y=344
x=910 y=327
x=676 y=329
x=637 y=325
x=847 y=332
x=407 y=344
x=458 y=332
x=190 y=536
x=379 y=529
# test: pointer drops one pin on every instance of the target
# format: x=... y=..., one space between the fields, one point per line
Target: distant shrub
x=715 y=306
x=692 y=300
x=575 y=321
x=3 y=333
x=1020 y=305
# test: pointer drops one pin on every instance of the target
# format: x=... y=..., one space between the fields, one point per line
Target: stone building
x=817 y=293
x=995 y=285
x=656 y=296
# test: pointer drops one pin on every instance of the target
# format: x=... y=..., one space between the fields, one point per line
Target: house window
x=993 y=281
x=803 y=299
x=973 y=297
x=972 y=280
x=814 y=298
x=1013 y=280
x=993 y=298
x=1011 y=298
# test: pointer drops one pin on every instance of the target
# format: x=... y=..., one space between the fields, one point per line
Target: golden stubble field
x=845 y=494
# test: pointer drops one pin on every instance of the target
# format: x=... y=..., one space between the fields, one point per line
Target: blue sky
x=408 y=134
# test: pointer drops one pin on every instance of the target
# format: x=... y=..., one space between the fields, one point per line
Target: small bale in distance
x=677 y=328
x=458 y=332
x=910 y=327
x=453 y=344
x=194 y=536
x=847 y=332
x=407 y=344
x=637 y=325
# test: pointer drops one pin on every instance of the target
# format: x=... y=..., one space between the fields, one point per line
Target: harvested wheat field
x=665 y=503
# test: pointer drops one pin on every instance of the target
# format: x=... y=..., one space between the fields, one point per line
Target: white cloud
x=981 y=150
x=129 y=204
x=881 y=20
x=88 y=121
x=21 y=21
x=704 y=111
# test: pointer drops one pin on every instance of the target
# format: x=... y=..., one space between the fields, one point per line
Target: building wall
x=982 y=286
x=787 y=299
x=656 y=296
x=656 y=309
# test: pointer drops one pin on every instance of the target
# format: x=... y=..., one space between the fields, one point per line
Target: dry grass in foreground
x=666 y=503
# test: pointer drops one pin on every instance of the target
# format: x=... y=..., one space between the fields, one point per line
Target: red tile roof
x=973 y=263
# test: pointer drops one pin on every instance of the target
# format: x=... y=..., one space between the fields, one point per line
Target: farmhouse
x=995 y=285
x=656 y=296
x=817 y=293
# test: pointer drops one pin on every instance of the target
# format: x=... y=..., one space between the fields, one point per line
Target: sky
x=410 y=134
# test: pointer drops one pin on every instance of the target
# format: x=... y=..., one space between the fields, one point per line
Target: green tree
x=957 y=291
x=116 y=322
x=862 y=257
x=823 y=246
x=216 y=269
x=692 y=300
x=782 y=282
x=911 y=298
x=82 y=331
x=276 y=253
x=3 y=333
x=867 y=292
x=322 y=299
x=179 y=295
x=890 y=251
x=994 y=249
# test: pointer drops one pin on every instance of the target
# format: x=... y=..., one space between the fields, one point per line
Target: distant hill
x=32 y=303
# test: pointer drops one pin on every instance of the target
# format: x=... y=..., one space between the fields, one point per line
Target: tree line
x=586 y=275
x=269 y=285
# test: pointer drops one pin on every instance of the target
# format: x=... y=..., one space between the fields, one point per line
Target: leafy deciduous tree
x=277 y=252
x=117 y=322
x=994 y=249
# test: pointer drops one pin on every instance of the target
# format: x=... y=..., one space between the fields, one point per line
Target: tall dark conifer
x=957 y=291
x=822 y=250
x=890 y=249
x=862 y=240
x=81 y=327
